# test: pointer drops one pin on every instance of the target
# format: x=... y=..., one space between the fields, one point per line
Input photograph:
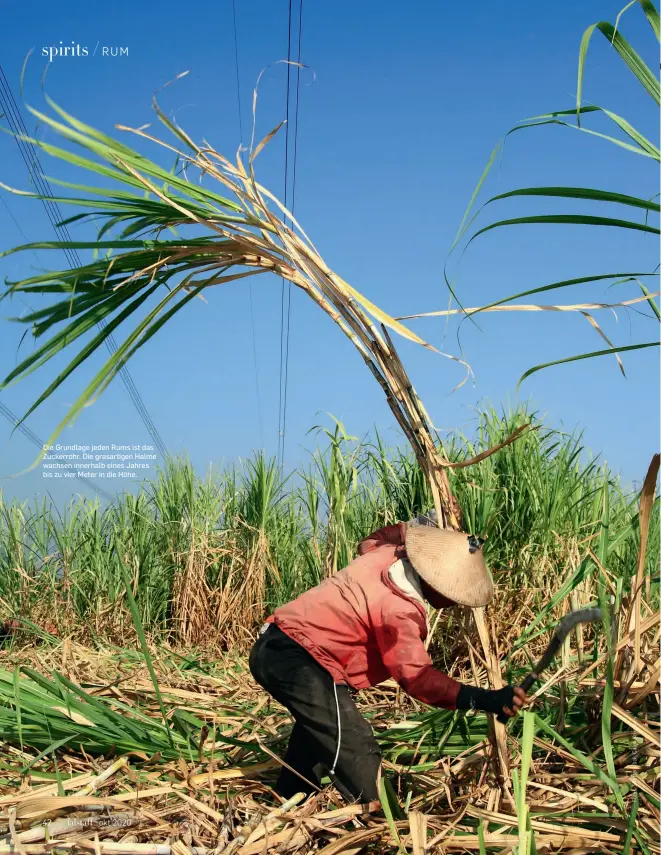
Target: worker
x=356 y=629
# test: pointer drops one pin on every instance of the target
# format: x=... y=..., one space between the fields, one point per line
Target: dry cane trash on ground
x=142 y=804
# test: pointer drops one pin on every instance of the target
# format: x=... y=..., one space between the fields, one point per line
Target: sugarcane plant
x=141 y=253
x=640 y=213
x=165 y=237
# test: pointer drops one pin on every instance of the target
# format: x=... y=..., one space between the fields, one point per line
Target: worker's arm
x=390 y=535
x=400 y=638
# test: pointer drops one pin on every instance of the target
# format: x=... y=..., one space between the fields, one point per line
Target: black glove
x=487 y=700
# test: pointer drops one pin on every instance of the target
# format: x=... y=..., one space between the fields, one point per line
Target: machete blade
x=562 y=630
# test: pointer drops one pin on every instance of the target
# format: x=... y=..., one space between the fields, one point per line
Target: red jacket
x=363 y=628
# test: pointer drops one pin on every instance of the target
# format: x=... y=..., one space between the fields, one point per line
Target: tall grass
x=206 y=558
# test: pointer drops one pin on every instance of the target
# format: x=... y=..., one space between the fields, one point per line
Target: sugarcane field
x=360 y=551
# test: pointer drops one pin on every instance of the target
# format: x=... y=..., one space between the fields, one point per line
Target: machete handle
x=526 y=686
x=563 y=628
x=528 y=682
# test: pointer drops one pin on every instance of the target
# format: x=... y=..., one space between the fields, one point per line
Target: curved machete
x=562 y=630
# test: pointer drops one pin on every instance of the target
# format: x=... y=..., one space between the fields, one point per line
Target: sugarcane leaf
x=569 y=219
x=463 y=225
x=652 y=16
x=652 y=303
x=480 y=837
x=582 y=53
x=52 y=747
x=135 y=614
x=104 y=377
x=120 y=167
x=641 y=841
x=580 y=356
x=17 y=701
x=585 y=761
x=626 y=846
x=643 y=146
x=87 y=130
x=391 y=810
x=382 y=316
x=112 y=721
x=603 y=550
x=130 y=718
x=639 y=69
x=98 y=311
x=566 y=283
x=593 y=323
x=581 y=193
x=267 y=139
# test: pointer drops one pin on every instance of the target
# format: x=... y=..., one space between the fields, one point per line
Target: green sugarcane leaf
x=110 y=369
x=582 y=53
x=645 y=849
x=135 y=614
x=606 y=712
x=480 y=837
x=17 y=701
x=69 y=334
x=652 y=16
x=121 y=157
x=580 y=356
x=391 y=809
x=636 y=65
x=581 y=193
x=639 y=69
x=585 y=761
x=129 y=718
x=652 y=303
x=643 y=146
x=633 y=813
x=52 y=747
x=568 y=219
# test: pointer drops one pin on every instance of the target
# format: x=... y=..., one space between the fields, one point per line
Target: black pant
x=298 y=682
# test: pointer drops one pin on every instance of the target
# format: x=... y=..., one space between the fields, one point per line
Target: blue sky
x=395 y=127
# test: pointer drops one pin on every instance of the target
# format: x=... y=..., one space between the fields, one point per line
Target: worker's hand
x=506 y=701
x=520 y=698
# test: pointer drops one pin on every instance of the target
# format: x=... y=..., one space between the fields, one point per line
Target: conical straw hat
x=450 y=564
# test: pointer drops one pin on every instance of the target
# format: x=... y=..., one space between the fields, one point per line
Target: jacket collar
x=407 y=581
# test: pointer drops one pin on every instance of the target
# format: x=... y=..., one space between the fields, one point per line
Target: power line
x=293 y=208
x=285 y=313
x=54 y=215
x=236 y=65
x=281 y=428
x=25 y=430
x=250 y=296
x=35 y=170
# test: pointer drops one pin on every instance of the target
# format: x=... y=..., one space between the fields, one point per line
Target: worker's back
x=338 y=621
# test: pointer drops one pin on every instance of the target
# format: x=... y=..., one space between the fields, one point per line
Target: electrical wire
x=285 y=302
x=34 y=439
x=250 y=294
x=293 y=209
x=35 y=170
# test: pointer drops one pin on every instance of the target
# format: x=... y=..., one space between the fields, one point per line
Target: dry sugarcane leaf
x=635 y=724
x=38 y=805
x=646 y=501
x=418 y=826
x=233 y=773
